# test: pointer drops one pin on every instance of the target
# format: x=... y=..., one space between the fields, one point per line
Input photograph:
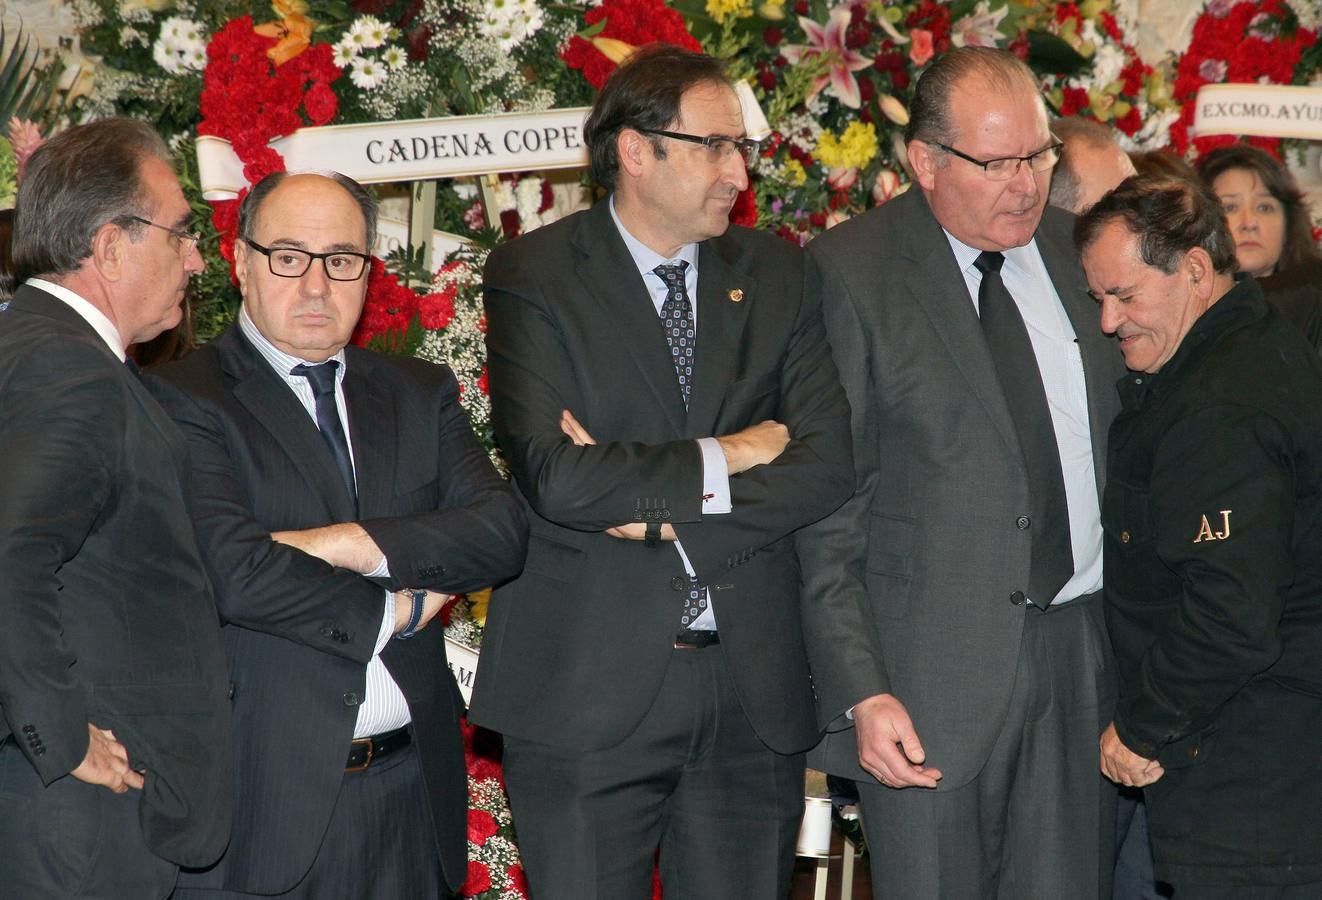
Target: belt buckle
x=371 y=753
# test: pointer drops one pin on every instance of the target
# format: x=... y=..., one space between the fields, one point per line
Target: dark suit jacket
x=107 y=615
x=917 y=569
x=576 y=648
x=299 y=633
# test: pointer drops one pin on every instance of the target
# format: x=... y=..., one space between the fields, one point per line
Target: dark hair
x=1299 y=246
x=75 y=183
x=929 y=113
x=1075 y=132
x=1170 y=215
x=1163 y=162
x=644 y=92
x=7 y=280
x=257 y=194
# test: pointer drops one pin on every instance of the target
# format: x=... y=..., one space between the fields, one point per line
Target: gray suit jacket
x=915 y=572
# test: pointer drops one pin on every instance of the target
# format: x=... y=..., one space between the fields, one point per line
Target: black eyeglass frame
x=1019 y=160
x=746 y=147
x=365 y=258
x=184 y=237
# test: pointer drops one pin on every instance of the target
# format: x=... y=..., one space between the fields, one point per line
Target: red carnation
x=744 y=211
x=634 y=22
x=436 y=310
x=478 y=880
x=481 y=825
x=484 y=382
x=321 y=104
x=1130 y=122
x=517 y=879
x=1074 y=101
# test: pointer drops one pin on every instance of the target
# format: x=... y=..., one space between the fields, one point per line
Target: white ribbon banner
x=1269 y=110
x=463 y=664
x=412 y=150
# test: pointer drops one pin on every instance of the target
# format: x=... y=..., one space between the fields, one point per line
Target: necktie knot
x=989 y=261
x=672 y=273
x=321 y=376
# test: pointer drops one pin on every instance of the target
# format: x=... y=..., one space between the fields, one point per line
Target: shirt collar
x=1019 y=257
x=100 y=323
x=276 y=358
x=644 y=257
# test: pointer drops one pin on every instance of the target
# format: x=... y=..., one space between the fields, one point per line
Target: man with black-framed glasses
x=662 y=390
x=340 y=496
x=967 y=674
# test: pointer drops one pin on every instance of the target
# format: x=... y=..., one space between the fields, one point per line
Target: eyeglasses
x=720 y=148
x=187 y=239
x=1003 y=168
x=341 y=265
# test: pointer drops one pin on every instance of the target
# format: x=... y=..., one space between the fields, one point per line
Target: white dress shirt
x=1061 y=366
x=384 y=707
x=715 y=475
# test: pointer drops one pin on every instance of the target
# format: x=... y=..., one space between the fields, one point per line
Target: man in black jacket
x=1213 y=549
x=114 y=720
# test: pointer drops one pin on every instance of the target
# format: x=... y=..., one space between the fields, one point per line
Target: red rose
x=772 y=36
x=478 y=880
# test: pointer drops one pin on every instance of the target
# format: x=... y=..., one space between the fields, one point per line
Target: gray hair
x=75 y=183
x=929 y=113
x=1075 y=131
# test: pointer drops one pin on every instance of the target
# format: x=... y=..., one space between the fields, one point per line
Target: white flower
x=344 y=52
x=510 y=22
x=369 y=32
x=979 y=28
x=394 y=57
x=129 y=35
x=1107 y=64
x=181 y=46
x=528 y=200
x=368 y=73
x=1307 y=12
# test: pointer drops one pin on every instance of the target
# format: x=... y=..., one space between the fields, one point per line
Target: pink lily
x=827 y=43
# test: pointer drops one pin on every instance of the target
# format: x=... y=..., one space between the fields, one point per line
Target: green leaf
x=1049 y=55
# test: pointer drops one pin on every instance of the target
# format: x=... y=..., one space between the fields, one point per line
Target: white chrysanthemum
x=181 y=46
x=369 y=32
x=394 y=57
x=528 y=202
x=344 y=52
x=368 y=73
x=128 y=35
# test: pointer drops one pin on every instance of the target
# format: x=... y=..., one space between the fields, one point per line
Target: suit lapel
x=273 y=405
x=374 y=432
x=611 y=279
x=939 y=288
x=720 y=328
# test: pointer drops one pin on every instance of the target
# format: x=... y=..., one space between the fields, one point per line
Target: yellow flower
x=720 y=10
x=480 y=600
x=616 y=51
x=855 y=147
x=794 y=173
x=772 y=9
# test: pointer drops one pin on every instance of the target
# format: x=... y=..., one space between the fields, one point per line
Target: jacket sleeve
x=845 y=657
x=61 y=439
x=1231 y=464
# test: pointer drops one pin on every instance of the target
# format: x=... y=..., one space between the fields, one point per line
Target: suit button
x=1193 y=752
x=665 y=513
x=327 y=631
x=677 y=583
x=1124 y=537
x=29 y=729
x=1018 y=598
x=39 y=751
x=351 y=698
x=234 y=689
x=1022 y=522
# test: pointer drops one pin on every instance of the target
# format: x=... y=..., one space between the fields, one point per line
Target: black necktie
x=1021 y=382
x=677 y=316
x=322 y=379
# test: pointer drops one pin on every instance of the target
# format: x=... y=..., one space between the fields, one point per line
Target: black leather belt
x=365 y=751
x=696 y=640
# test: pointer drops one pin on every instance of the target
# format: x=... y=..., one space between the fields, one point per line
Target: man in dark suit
x=322 y=472
x=665 y=397
x=114 y=721
x=963 y=639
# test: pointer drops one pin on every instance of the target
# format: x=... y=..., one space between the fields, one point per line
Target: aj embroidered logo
x=1206 y=533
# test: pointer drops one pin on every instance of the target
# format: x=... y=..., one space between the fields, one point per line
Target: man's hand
x=756 y=445
x=107 y=762
x=430 y=607
x=630 y=531
x=1124 y=766
x=345 y=545
x=888 y=746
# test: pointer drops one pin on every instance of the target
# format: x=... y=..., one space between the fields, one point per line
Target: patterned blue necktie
x=677 y=316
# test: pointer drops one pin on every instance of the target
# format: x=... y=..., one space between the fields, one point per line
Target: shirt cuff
x=715 y=478
x=387 y=625
x=382 y=570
